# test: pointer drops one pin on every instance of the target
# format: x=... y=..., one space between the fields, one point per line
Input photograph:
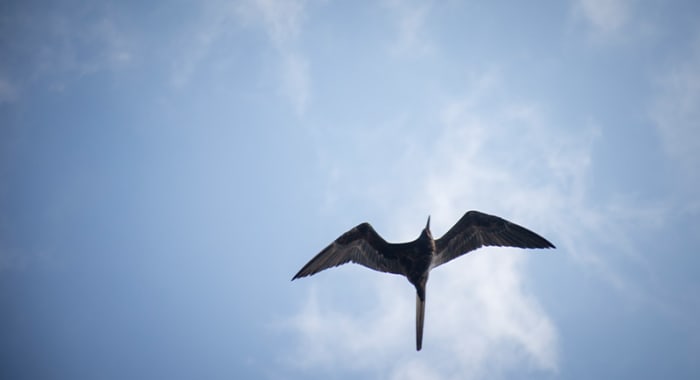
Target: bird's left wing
x=361 y=245
x=476 y=229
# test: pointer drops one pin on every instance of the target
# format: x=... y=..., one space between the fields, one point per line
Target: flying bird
x=363 y=245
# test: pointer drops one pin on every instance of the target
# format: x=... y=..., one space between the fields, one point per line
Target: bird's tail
x=420 y=313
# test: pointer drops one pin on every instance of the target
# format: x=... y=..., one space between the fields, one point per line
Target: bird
x=363 y=245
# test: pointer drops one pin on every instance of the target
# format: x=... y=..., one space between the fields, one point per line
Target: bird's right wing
x=476 y=229
x=361 y=245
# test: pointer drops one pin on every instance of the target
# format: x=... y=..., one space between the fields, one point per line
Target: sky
x=167 y=167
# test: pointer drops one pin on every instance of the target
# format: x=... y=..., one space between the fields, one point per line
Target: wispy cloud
x=605 y=17
x=63 y=45
x=296 y=78
x=281 y=19
x=112 y=47
x=8 y=92
x=676 y=113
x=410 y=20
x=673 y=110
x=610 y=22
x=282 y=22
x=82 y=46
x=197 y=46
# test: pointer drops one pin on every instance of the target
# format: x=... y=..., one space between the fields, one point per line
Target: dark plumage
x=363 y=245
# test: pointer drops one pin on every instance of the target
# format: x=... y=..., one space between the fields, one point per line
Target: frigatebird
x=363 y=245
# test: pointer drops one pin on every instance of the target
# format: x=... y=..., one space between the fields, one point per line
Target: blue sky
x=166 y=167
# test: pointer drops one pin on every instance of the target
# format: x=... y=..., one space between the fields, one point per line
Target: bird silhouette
x=363 y=245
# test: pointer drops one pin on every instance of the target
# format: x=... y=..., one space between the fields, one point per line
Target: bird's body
x=363 y=245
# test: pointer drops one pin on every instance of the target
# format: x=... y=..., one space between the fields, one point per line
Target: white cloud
x=116 y=48
x=198 y=48
x=83 y=46
x=63 y=45
x=8 y=92
x=411 y=26
x=605 y=17
x=676 y=113
x=332 y=339
x=295 y=77
x=414 y=369
x=482 y=316
x=282 y=21
x=214 y=24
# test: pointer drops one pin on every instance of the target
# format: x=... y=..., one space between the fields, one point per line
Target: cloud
x=614 y=22
x=8 y=92
x=282 y=22
x=296 y=78
x=199 y=45
x=214 y=23
x=280 y=19
x=83 y=46
x=111 y=45
x=676 y=114
x=411 y=26
x=57 y=46
x=606 y=18
x=331 y=339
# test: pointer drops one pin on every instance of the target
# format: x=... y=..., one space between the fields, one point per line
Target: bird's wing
x=477 y=229
x=361 y=245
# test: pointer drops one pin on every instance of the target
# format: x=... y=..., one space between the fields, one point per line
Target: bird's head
x=426 y=230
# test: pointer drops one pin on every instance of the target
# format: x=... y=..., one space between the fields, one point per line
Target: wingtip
x=544 y=243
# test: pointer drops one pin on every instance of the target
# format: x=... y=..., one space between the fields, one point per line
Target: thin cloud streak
x=282 y=22
x=198 y=48
x=411 y=27
x=281 y=19
x=605 y=17
x=8 y=92
x=676 y=113
x=58 y=46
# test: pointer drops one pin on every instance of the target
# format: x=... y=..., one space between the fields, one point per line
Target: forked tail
x=420 y=313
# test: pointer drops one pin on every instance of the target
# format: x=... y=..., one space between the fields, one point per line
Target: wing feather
x=361 y=245
x=476 y=229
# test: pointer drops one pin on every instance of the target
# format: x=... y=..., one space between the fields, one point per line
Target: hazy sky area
x=167 y=167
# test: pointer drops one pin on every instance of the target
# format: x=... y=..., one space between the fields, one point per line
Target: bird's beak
x=427 y=226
